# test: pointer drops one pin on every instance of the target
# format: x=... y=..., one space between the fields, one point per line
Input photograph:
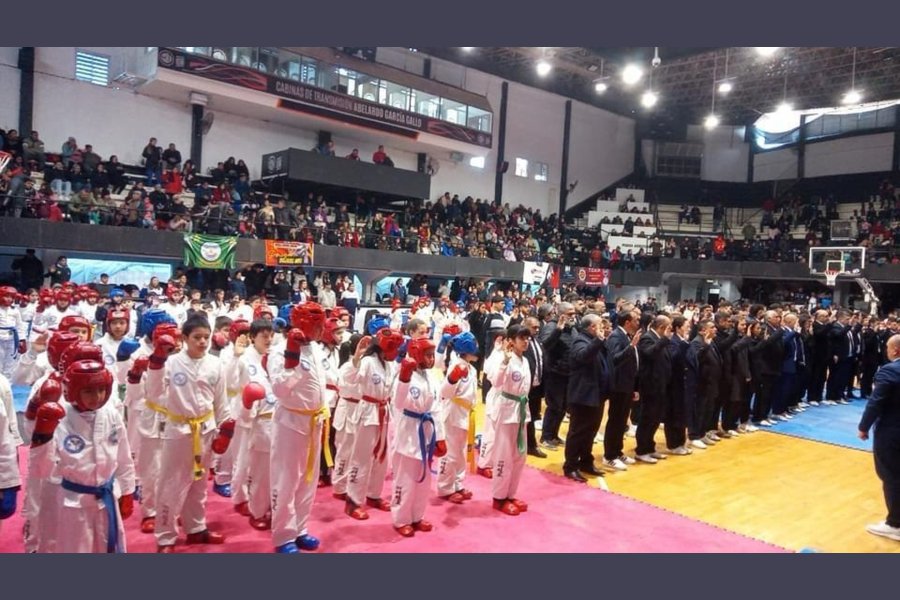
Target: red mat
x=563 y=516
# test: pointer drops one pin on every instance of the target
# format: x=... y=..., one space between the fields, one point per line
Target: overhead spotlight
x=631 y=74
x=784 y=107
x=852 y=97
x=649 y=99
x=543 y=68
x=600 y=86
x=725 y=87
x=711 y=122
x=767 y=51
x=467 y=48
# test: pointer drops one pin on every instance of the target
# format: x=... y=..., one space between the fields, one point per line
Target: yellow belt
x=470 y=441
x=315 y=415
x=194 y=423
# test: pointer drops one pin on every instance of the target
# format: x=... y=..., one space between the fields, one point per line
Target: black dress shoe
x=591 y=470
x=537 y=452
x=576 y=476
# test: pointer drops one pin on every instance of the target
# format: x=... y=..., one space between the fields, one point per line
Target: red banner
x=592 y=277
x=288 y=254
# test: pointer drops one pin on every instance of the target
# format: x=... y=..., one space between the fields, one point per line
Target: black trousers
x=869 y=366
x=837 y=379
x=816 y=387
x=886 y=446
x=555 y=392
x=851 y=376
x=653 y=409
x=535 y=396
x=800 y=386
x=698 y=408
x=676 y=420
x=735 y=409
x=616 y=424
x=763 y=391
x=718 y=404
x=584 y=422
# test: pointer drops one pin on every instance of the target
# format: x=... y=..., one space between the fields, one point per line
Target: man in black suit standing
x=841 y=364
x=676 y=414
x=654 y=378
x=819 y=357
x=883 y=411
x=704 y=369
x=622 y=354
x=769 y=356
x=556 y=340
x=588 y=384
x=535 y=357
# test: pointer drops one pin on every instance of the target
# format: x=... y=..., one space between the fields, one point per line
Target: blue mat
x=20 y=397
x=829 y=424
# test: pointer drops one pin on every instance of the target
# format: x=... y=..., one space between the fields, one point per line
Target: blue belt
x=15 y=333
x=427 y=449
x=104 y=493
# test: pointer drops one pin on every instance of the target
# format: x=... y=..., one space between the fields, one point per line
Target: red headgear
x=70 y=321
x=45 y=297
x=451 y=329
x=237 y=329
x=92 y=294
x=117 y=313
x=332 y=325
x=8 y=295
x=389 y=340
x=87 y=374
x=421 y=350
x=57 y=345
x=308 y=317
x=341 y=313
x=170 y=329
x=62 y=295
x=263 y=311
x=79 y=351
x=171 y=289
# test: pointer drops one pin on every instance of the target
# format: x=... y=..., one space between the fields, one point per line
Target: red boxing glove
x=23 y=347
x=126 y=506
x=458 y=372
x=48 y=417
x=219 y=341
x=162 y=347
x=223 y=438
x=296 y=339
x=138 y=369
x=407 y=367
x=253 y=392
x=50 y=391
x=440 y=448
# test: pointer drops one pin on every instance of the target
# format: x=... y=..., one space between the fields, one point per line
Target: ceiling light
x=767 y=51
x=784 y=107
x=852 y=97
x=600 y=87
x=711 y=122
x=649 y=99
x=631 y=74
x=725 y=87
x=543 y=68
x=467 y=48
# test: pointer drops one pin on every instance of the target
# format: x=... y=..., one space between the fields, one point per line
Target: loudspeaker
x=421 y=162
x=324 y=137
x=504 y=167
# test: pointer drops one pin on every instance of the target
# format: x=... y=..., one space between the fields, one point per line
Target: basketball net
x=5 y=158
x=831 y=277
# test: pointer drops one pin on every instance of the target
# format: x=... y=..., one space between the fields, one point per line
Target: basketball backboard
x=850 y=260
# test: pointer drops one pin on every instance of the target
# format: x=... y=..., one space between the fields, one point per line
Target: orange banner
x=289 y=254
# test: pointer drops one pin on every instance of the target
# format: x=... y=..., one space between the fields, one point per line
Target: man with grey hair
x=653 y=384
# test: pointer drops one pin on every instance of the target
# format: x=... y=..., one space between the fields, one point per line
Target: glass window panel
x=367 y=87
x=243 y=56
x=427 y=104
x=309 y=71
x=397 y=95
x=521 y=167
x=478 y=119
x=477 y=162
x=454 y=112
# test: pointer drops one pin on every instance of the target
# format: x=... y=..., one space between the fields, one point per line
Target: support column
x=26 y=91
x=895 y=163
x=198 y=107
x=501 y=145
x=564 y=170
x=801 y=149
x=748 y=137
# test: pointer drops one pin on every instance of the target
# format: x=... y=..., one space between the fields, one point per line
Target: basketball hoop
x=5 y=158
x=831 y=276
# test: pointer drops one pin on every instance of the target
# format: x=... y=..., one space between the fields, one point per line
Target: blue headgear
x=508 y=305
x=279 y=324
x=284 y=313
x=378 y=322
x=461 y=304
x=151 y=319
x=117 y=291
x=464 y=343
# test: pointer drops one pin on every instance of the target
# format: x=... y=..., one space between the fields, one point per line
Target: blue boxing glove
x=401 y=352
x=8 y=502
x=442 y=346
x=127 y=347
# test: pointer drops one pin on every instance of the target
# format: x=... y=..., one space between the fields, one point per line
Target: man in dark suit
x=676 y=414
x=556 y=339
x=818 y=358
x=622 y=354
x=588 y=385
x=535 y=357
x=704 y=369
x=769 y=358
x=654 y=377
x=883 y=411
x=841 y=352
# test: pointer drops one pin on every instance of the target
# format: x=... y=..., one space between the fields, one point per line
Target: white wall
x=863 y=154
x=9 y=88
x=601 y=150
x=775 y=164
x=725 y=154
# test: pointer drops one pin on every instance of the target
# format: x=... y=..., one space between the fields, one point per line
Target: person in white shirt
x=299 y=382
x=458 y=398
x=327 y=297
x=190 y=389
x=10 y=440
x=176 y=305
x=510 y=377
x=85 y=445
x=53 y=315
x=343 y=419
x=13 y=330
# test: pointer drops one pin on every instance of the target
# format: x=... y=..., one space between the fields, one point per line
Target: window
x=90 y=67
x=521 y=167
x=478 y=119
x=454 y=112
x=477 y=162
x=541 y=172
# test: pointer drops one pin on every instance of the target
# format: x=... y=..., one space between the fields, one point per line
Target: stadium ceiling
x=686 y=77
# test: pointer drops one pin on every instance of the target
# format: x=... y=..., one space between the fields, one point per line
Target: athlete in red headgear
x=13 y=331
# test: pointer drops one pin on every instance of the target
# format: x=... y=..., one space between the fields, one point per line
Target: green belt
x=523 y=402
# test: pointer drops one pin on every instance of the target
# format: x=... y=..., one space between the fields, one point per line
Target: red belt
x=351 y=400
x=331 y=387
x=380 y=450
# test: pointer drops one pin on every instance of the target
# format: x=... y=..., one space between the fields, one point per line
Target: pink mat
x=562 y=517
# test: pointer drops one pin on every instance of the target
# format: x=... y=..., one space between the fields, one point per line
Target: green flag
x=209 y=251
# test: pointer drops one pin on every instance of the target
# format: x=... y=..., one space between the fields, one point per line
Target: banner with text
x=592 y=277
x=209 y=251
x=289 y=254
x=535 y=272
